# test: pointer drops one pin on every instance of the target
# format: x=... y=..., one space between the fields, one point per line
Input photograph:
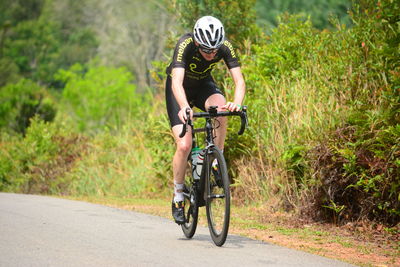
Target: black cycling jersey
x=198 y=82
x=187 y=55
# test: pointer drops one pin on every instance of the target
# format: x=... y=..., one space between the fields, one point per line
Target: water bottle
x=195 y=157
x=199 y=163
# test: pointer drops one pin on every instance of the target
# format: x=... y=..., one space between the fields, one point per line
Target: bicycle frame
x=209 y=145
x=208 y=129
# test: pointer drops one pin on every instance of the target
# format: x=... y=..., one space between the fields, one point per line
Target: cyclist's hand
x=232 y=106
x=182 y=114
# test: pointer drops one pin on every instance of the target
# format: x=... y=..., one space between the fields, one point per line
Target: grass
x=322 y=239
x=342 y=241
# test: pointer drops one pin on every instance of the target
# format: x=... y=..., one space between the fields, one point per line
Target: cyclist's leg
x=183 y=147
x=210 y=95
x=179 y=162
x=184 y=144
x=218 y=100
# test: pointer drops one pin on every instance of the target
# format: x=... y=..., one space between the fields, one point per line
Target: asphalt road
x=46 y=231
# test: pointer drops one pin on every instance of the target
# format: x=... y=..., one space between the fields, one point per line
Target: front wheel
x=191 y=208
x=218 y=196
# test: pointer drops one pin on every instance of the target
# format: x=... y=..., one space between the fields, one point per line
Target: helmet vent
x=209 y=32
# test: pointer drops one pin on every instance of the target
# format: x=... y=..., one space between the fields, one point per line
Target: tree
x=238 y=17
x=15 y=11
x=44 y=38
x=320 y=11
x=12 y=12
x=34 y=45
x=131 y=34
x=99 y=97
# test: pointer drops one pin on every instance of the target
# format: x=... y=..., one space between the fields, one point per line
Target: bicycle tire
x=191 y=208
x=218 y=197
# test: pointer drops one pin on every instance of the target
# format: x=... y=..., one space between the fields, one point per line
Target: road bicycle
x=211 y=186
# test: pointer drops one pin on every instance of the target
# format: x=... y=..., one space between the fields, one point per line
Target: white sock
x=178 y=192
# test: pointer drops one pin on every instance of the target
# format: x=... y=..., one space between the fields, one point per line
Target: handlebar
x=212 y=113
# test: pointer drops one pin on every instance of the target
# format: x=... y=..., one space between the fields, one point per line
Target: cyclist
x=189 y=83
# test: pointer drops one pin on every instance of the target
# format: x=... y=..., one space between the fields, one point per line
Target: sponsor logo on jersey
x=193 y=68
x=229 y=45
x=182 y=47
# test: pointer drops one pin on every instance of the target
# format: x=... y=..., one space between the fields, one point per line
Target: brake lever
x=185 y=125
x=244 y=120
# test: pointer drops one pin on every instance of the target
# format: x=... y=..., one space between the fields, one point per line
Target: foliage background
x=82 y=104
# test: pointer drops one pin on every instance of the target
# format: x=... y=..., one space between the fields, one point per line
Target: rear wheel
x=218 y=197
x=191 y=208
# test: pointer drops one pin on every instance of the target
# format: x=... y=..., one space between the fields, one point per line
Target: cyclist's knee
x=184 y=146
x=223 y=120
x=215 y=100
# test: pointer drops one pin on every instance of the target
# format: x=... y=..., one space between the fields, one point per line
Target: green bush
x=53 y=159
x=302 y=84
x=8 y=71
x=22 y=101
x=115 y=164
x=37 y=163
x=358 y=169
x=100 y=97
x=357 y=163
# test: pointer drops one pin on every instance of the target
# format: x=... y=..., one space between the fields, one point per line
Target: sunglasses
x=208 y=50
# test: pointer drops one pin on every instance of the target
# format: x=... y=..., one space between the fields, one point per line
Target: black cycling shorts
x=197 y=92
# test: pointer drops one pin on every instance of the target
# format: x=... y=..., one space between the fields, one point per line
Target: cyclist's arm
x=179 y=92
x=240 y=89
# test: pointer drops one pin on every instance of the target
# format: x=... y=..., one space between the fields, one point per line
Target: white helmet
x=209 y=32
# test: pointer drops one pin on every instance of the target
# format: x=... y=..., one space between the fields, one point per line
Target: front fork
x=205 y=178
